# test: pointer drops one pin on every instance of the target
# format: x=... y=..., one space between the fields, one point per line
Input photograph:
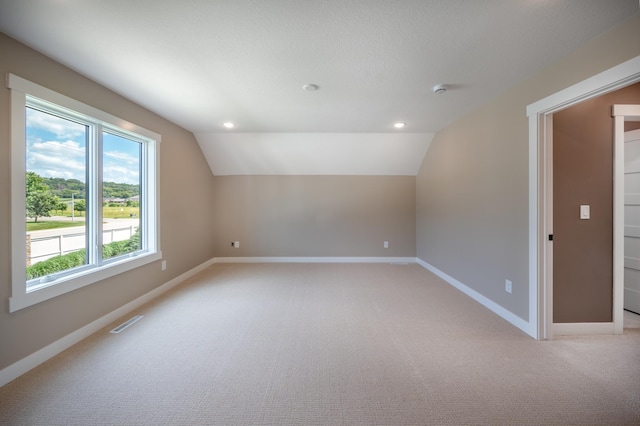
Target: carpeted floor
x=319 y=344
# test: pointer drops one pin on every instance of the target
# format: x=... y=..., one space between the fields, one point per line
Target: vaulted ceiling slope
x=202 y=63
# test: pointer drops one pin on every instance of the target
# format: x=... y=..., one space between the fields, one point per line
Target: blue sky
x=56 y=148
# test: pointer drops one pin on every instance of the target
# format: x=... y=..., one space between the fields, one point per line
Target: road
x=107 y=225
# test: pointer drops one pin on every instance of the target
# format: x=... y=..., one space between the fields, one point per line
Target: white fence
x=42 y=248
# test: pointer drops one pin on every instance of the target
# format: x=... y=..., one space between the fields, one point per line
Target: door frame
x=619 y=113
x=540 y=116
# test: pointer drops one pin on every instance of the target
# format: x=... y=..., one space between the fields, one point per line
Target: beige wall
x=472 y=189
x=186 y=203
x=315 y=215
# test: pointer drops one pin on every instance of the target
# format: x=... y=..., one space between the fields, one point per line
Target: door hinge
x=550 y=237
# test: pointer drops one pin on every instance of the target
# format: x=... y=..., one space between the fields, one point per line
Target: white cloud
x=121 y=157
x=120 y=174
x=56 y=148
x=63 y=129
x=63 y=159
x=60 y=149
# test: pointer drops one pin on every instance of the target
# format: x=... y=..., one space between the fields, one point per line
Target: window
x=84 y=194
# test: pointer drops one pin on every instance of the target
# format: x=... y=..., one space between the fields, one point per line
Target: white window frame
x=21 y=297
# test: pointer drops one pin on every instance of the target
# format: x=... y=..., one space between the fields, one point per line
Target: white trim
x=535 y=293
x=23 y=92
x=528 y=327
x=618 y=112
x=315 y=259
x=538 y=112
x=29 y=362
x=614 y=78
x=18 y=204
x=22 y=300
x=25 y=86
x=623 y=109
x=582 y=328
x=618 y=220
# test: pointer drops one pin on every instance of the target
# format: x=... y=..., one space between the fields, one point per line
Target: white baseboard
x=486 y=302
x=22 y=366
x=315 y=260
x=582 y=328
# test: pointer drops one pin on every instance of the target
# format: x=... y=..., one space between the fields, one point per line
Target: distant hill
x=63 y=188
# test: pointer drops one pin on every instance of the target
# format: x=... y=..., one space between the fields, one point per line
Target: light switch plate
x=585 y=211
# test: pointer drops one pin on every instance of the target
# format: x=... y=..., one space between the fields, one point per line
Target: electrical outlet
x=235 y=244
x=507 y=286
x=164 y=265
x=386 y=244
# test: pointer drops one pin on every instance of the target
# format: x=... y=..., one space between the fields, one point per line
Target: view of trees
x=40 y=201
x=80 y=206
x=63 y=188
x=43 y=195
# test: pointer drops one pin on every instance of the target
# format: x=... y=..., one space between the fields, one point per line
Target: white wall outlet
x=235 y=244
x=507 y=286
x=164 y=265
x=386 y=244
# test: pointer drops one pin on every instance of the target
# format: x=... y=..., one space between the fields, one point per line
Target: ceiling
x=201 y=63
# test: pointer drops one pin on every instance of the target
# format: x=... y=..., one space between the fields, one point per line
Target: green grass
x=120 y=212
x=107 y=212
x=43 y=224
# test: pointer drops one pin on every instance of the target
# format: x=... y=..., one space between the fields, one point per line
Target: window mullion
x=94 y=204
x=74 y=149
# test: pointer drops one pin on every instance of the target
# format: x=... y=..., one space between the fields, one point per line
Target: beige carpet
x=295 y=344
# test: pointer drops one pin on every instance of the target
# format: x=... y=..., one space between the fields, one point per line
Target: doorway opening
x=541 y=201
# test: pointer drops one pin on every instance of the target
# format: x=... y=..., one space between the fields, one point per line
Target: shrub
x=75 y=259
x=56 y=264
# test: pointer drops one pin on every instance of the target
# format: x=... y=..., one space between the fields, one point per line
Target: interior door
x=632 y=221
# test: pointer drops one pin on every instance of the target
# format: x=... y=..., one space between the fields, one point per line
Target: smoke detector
x=439 y=89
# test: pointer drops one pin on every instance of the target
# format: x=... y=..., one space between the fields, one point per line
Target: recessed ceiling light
x=228 y=125
x=399 y=125
x=310 y=87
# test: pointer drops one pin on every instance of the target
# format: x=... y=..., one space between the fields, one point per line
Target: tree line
x=64 y=188
x=43 y=194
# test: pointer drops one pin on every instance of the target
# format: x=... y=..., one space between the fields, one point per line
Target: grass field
x=44 y=224
x=107 y=213
x=120 y=212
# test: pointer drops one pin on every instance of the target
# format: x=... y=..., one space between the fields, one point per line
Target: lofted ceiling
x=200 y=63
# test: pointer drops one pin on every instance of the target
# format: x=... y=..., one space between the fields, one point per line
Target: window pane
x=56 y=188
x=120 y=195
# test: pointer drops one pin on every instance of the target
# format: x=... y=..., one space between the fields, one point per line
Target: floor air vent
x=126 y=324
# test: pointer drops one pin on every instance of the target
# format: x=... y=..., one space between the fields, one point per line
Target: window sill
x=73 y=282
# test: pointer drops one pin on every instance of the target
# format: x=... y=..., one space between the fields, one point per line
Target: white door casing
x=540 y=115
x=632 y=221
